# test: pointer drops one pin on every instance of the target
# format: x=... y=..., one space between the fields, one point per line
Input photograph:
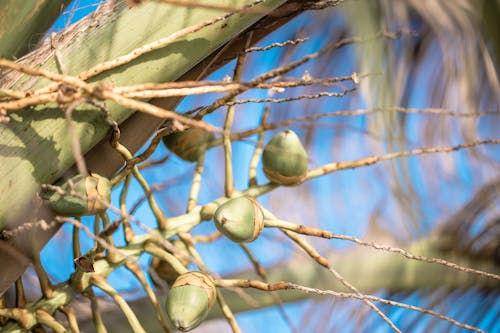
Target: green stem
x=136 y=270
x=127 y=230
x=195 y=185
x=101 y=283
x=45 y=318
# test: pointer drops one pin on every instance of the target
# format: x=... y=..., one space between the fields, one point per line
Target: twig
x=100 y=241
x=228 y=163
x=157 y=212
x=136 y=270
x=104 y=93
x=290 y=66
x=228 y=314
x=127 y=229
x=44 y=318
x=274 y=45
x=60 y=78
x=20 y=295
x=252 y=172
x=291 y=99
x=206 y=238
x=361 y=112
x=122 y=60
x=96 y=312
x=337 y=166
x=291 y=286
x=71 y=317
x=101 y=283
x=195 y=184
x=262 y=274
x=324 y=262
x=45 y=284
x=301 y=229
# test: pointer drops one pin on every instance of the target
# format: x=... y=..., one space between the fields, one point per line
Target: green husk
x=94 y=187
x=190 y=299
x=240 y=219
x=285 y=159
x=189 y=144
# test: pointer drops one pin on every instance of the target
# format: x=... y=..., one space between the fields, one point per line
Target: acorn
x=190 y=299
x=285 y=159
x=240 y=219
x=92 y=186
x=189 y=144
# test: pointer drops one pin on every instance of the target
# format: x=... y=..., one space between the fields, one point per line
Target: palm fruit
x=164 y=269
x=240 y=219
x=189 y=144
x=285 y=159
x=190 y=299
x=94 y=187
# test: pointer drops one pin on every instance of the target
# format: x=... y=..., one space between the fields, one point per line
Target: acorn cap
x=240 y=219
x=92 y=186
x=188 y=144
x=190 y=299
x=285 y=159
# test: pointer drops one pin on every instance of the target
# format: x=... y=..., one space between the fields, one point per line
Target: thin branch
x=71 y=317
x=101 y=283
x=96 y=312
x=337 y=166
x=274 y=45
x=252 y=172
x=122 y=60
x=301 y=229
x=228 y=314
x=196 y=183
x=136 y=270
x=262 y=274
x=228 y=163
x=291 y=66
x=322 y=260
x=291 y=286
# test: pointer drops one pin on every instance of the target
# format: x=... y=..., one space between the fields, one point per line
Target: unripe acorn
x=285 y=159
x=189 y=144
x=240 y=219
x=190 y=299
x=93 y=186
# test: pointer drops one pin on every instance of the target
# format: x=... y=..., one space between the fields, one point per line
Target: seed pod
x=190 y=299
x=240 y=219
x=92 y=186
x=164 y=269
x=285 y=159
x=188 y=144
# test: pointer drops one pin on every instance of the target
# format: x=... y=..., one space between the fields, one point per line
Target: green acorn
x=285 y=159
x=188 y=144
x=190 y=299
x=92 y=186
x=240 y=219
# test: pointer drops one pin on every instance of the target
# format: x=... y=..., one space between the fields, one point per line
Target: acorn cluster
x=241 y=219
